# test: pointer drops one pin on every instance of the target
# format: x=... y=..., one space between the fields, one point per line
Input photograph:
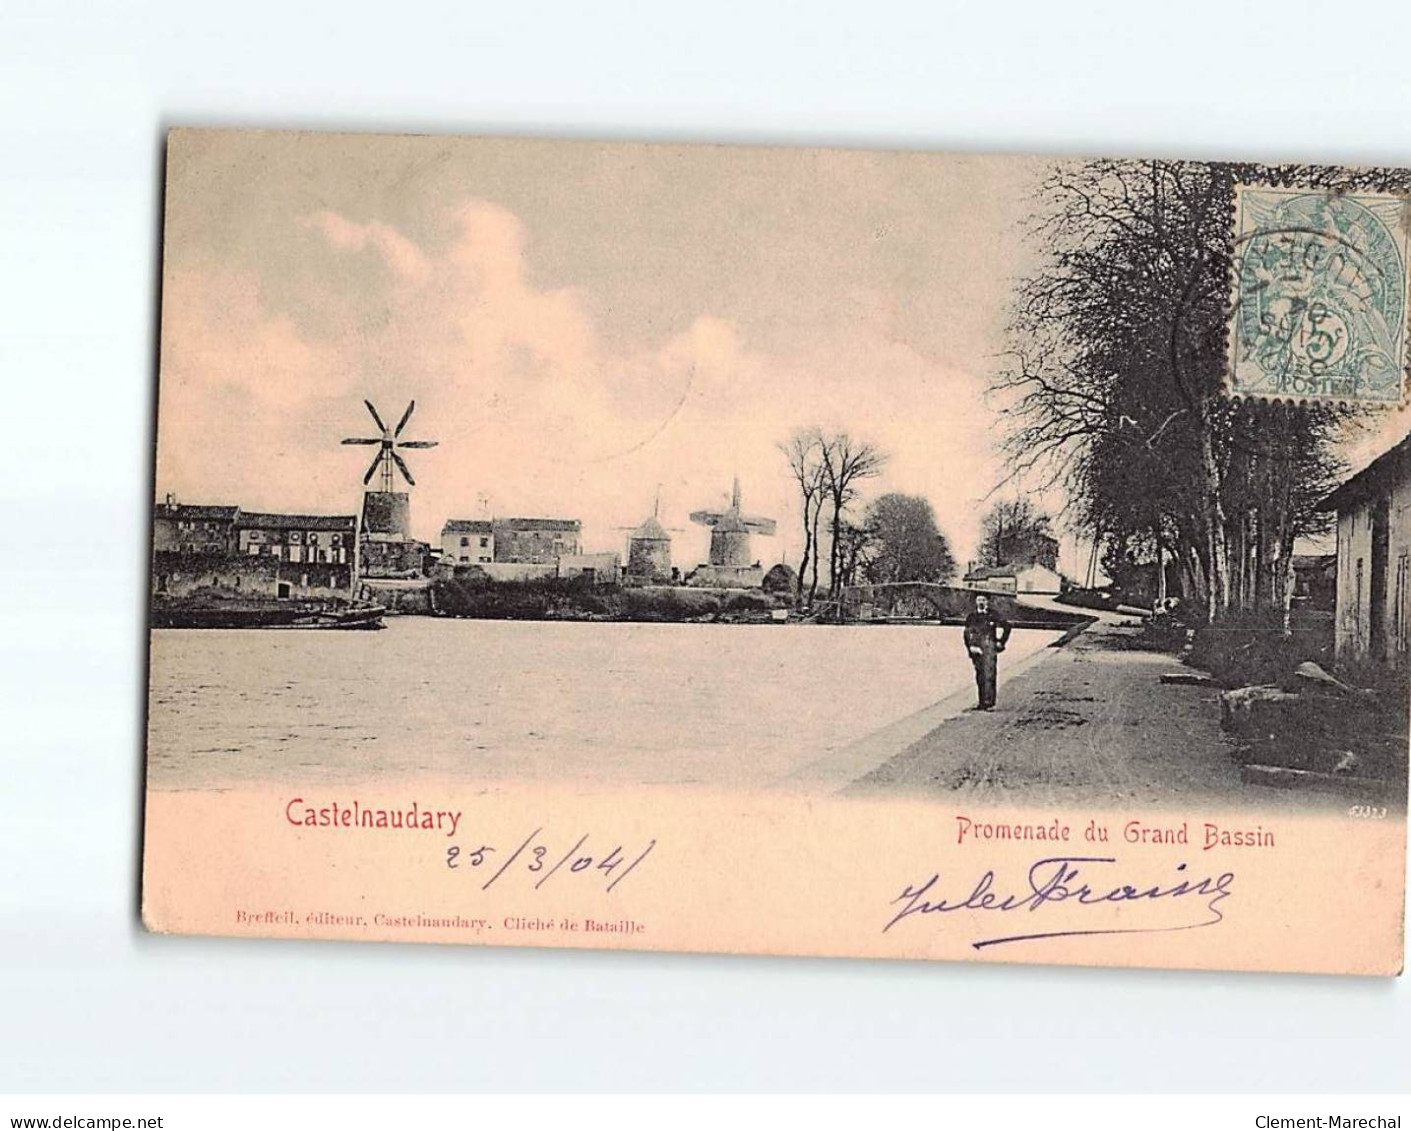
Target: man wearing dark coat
x=986 y=633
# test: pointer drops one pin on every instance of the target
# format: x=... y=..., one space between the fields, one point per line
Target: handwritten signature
x=1059 y=880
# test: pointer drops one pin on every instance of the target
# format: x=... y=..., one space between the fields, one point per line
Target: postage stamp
x=1319 y=303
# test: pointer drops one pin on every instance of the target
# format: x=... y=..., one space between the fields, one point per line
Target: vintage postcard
x=786 y=551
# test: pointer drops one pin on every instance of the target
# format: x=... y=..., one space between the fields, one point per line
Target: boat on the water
x=177 y=612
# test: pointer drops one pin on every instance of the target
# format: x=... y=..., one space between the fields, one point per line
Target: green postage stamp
x=1319 y=304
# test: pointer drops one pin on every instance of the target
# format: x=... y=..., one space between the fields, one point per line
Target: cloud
x=532 y=410
x=401 y=255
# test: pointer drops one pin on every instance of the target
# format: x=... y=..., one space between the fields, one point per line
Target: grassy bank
x=578 y=599
x=1239 y=653
x=1285 y=717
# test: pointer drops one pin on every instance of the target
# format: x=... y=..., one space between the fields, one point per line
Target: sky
x=583 y=324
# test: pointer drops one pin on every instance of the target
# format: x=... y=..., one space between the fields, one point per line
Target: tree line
x=1116 y=375
x=894 y=537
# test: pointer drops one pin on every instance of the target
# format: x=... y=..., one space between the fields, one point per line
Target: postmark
x=1319 y=307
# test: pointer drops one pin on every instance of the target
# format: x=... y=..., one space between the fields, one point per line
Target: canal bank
x=847 y=763
x=1087 y=724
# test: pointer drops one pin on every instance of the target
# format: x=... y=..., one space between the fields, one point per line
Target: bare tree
x=804 y=451
x=1115 y=384
x=845 y=463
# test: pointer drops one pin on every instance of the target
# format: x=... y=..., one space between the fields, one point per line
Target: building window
x=484 y=543
x=465 y=541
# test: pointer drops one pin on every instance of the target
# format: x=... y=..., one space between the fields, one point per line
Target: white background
x=90 y=1002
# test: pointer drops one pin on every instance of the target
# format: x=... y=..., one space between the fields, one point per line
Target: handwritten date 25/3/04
x=539 y=858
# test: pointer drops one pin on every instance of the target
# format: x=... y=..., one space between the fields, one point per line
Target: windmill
x=730 y=531
x=649 y=547
x=387 y=456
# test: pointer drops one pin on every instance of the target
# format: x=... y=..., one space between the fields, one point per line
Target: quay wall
x=404 y=598
x=185 y=574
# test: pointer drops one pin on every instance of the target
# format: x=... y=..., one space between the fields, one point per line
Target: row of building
x=521 y=548
x=286 y=555
x=320 y=538
x=226 y=548
x=252 y=553
x=518 y=549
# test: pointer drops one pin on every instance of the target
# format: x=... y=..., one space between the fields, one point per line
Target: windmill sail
x=372 y=469
x=387 y=460
x=730 y=532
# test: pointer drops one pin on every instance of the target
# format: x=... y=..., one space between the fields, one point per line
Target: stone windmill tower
x=649 y=549
x=731 y=563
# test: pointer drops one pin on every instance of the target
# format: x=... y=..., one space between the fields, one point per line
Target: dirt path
x=1090 y=724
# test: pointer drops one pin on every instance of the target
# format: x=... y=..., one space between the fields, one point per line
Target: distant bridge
x=943 y=601
x=947 y=603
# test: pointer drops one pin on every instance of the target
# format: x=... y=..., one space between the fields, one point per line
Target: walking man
x=986 y=633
